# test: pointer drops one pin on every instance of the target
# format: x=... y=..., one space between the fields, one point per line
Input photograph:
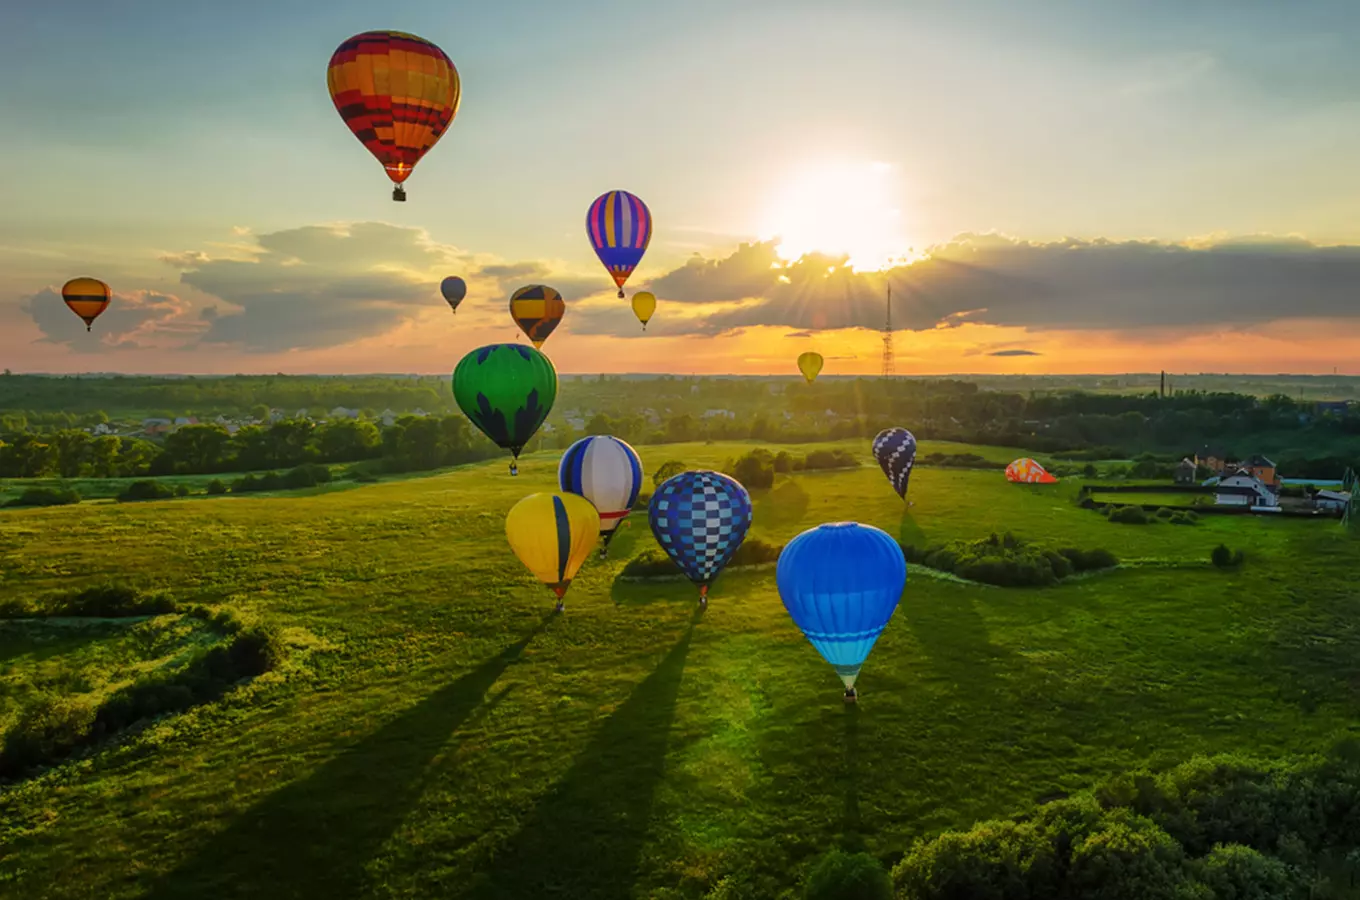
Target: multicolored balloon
x=895 y=450
x=87 y=298
x=810 y=364
x=552 y=534
x=398 y=93
x=506 y=390
x=700 y=519
x=537 y=309
x=644 y=306
x=619 y=226
x=608 y=473
x=841 y=583
x=1027 y=471
x=454 y=290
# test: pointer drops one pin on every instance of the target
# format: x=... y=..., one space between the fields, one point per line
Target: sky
x=1047 y=187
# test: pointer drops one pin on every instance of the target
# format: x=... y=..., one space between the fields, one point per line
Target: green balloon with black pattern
x=506 y=390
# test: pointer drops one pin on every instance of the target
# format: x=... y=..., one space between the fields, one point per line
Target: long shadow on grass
x=586 y=836
x=314 y=837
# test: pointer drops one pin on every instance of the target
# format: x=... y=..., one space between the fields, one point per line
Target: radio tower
x=888 y=362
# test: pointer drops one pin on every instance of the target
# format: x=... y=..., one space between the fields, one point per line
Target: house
x=1262 y=468
x=388 y=418
x=1214 y=458
x=719 y=414
x=1332 y=407
x=1331 y=500
x=1241 y=488
x=1185 y=471
x=344 y=412
x=185 y=420
x=157 y=426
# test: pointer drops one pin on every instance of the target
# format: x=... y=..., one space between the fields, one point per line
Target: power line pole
x=889 y=363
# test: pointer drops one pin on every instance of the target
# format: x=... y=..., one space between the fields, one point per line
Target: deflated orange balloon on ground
x=1027 y=471
x=398 y=93
x=810 y=364
x=87 y=298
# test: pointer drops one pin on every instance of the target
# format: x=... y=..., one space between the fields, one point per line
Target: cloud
x=1015 y=353
x=132 y=321
x=992 y=279
x=316 y=286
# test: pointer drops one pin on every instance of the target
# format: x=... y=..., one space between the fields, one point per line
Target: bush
x=1164 y=513
x=831 y=459
x=755 y=470
x=145 y=490
x=1006 y=561
x=1128 y=515
x=59 y=496
x=669 y=469
x=958 y=461
x=783 y=462
x=217 y=487
x=181 y=490
x=1089 y=560
x=1232 y=870
x=848 y=876
x=655 y=563
x=1090 y=471
x=1184 y=518
x=49 y=728
x=1225 y=558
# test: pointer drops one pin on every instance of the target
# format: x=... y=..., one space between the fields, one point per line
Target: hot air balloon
x=895 y=450
x=552 y=534
x=398 y=93
x=644 y=305
x=810 y=364
x=1027 y=471
x=87 y=298
x=506 y=390
x=700 y=519
x=607 y=472
x=620 y=227
x=841 y=582
x=454 y=290
x=537 y=309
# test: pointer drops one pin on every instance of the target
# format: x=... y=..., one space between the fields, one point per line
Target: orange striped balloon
x=398 y=93
x=87 y=298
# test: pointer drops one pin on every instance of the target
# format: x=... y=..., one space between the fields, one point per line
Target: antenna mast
x=888 y=360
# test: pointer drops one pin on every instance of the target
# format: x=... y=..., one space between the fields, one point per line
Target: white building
x=344 y=412
x=1243 y=489
x=1331 y=500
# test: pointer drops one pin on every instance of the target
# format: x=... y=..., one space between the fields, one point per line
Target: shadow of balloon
x=586 y=837
x=786 y=504
x=679 y=592
x=911 y=534
x=313 y=837
x=852 y=833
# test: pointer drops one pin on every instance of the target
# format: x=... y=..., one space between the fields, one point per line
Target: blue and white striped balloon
x=608 y=473
x=841 y=582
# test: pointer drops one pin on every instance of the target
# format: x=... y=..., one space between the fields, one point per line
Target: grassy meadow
x=437 y=732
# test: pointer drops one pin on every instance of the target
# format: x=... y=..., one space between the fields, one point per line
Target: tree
x=669 y=469
x=198 y=448
x=681 y=428
x=347 y=440
x=600 y=424
x=103 y=456
x=259 y=412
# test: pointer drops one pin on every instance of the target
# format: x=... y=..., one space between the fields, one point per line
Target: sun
x=839 y=208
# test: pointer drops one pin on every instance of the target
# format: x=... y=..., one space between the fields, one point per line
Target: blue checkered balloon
x=700 y=519
x=895 y=450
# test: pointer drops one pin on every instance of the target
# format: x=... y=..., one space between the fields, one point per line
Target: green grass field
x=437 y=733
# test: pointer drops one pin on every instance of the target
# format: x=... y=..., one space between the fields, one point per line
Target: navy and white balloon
x=608 y=473
x=841 y=582
x=700 y=519
x=895 y=450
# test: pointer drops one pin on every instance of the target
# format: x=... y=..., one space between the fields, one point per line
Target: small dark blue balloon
x=700 y=519
x=454 y=290
x=841 y=582
x=895 y=450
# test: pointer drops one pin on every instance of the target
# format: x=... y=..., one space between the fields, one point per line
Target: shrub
x=1129 y=515
x=958 y=461
x=1006 y=561
x=1184 y=518
x=49 y=728
x=755 y=470
x=1164 y=513
x=1225 y=558
x=783 y=462
x=145 y=490
x=181 y=490
x=1232 y=870
x=669 y=469
x=58 y=496
x=654 y=563
x=831 y=459
x=848 y=876
x=1090 y=471
x=216 y=487
x=1090 y=560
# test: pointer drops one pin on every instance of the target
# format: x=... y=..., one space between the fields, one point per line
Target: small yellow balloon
x=644 y=304
x=552 y=534
x=810 y=364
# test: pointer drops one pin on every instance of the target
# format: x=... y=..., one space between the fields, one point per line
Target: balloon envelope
x=398 y=93
x=537 y=309
x=700 y=519
x=454 y=290
x=1027 y=471
x=895 y=450
x=605 y=471
x=644 y=306
x=87 y=298
x=506 y=390
x=841 y=583
x=552 y=534
x=619 y=226
x=810 y=364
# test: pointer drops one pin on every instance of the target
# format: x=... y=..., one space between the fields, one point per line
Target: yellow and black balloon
x=810 y=364
x=87 y=298
x=537 y=309
x=553 y=534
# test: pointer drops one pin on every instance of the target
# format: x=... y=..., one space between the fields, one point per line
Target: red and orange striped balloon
x=398 y=93
x=87 y=298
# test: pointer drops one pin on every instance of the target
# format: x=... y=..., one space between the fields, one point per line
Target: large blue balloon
x=700 y=519
x=841 y=583
x=895 y=450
